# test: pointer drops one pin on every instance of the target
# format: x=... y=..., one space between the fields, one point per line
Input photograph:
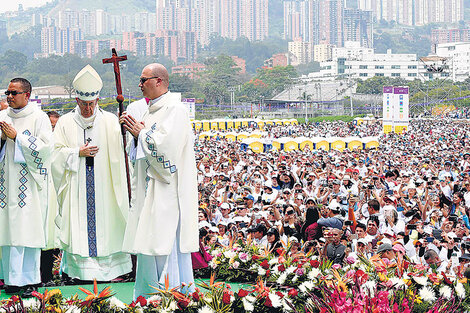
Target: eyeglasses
x=14 y=92
x=144 y=79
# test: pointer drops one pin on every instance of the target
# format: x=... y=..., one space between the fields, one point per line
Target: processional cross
x=115 y=59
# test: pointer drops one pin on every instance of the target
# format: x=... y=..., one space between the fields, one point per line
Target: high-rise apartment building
x=68 y=19
x=227 y=18
x=358 y=26
x=330 y=22
x=327 y=22
x=302 y=51
x=415 y=12
x=101 y=22
x=296 y=19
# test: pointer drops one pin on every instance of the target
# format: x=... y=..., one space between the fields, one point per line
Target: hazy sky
x=12 y=5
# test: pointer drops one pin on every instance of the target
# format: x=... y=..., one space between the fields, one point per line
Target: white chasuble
x=91 y=192
x=165 y=197
x=24 y=169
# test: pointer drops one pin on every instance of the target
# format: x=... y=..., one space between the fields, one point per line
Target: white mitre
x=87 y=84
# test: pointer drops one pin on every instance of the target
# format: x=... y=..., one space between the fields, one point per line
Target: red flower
x=183 y=303
x=15 y=298
x=281 y=268
x=265 y=264
x=243 y=293
x=196 y=296
x=255 y=257
x=226 y=298
x=314 y=263
x=293 y=293
x=268 y=302
x=268 y=272
x=280 y=294
x=141 y=300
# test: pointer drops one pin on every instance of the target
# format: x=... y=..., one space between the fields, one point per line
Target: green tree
x=220 y=74
x=268 y=82
x=14 y=61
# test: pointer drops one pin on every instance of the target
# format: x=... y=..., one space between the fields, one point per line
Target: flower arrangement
x=282 y=284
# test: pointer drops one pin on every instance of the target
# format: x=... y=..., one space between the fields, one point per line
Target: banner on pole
x=191 y=105
x=388 y=111
x=401 y=109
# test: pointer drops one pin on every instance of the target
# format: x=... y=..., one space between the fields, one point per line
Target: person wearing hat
x=385 y=255
x=259 y=235
x=162 y=225
x=90 y=178
x=25 y=163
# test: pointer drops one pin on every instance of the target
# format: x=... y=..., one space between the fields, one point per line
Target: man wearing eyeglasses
x=162 y=228
x=90 y=179
x=24 y=166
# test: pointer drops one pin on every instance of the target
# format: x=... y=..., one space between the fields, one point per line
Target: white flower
x=397 y=282
x=261 y=271
x=306 y=286
x=369 y=287
x=153 y=298
x=115 y=303
x=236 y=264
x=251 y=299
x=295 y=278
x=73 y=309
x=427 y=294
x=275 y=300
x=273 y=261
x=460 y=290
x=139 y=310
x=286 y=306
x=247 y=305
x=173 y=306
x=212 y=264
x=281 y=279
x=313 y=273
x=446 y=292
x=423 y=280
x=291 y=269
x=229 y=254
x=32 y=304
x=205 y=309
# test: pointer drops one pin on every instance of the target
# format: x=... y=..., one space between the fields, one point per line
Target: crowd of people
x=409 y=198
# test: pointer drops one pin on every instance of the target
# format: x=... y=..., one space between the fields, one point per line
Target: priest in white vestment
x=24 y=164
x=162 y=228
x=90 y=179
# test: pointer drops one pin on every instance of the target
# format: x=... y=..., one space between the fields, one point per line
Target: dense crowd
x=410 y=198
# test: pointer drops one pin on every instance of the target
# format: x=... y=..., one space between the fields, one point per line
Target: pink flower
x=299 y=271
x=336 y=266
x=350 y=260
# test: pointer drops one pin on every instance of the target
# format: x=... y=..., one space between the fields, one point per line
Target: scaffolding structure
x=435 y=72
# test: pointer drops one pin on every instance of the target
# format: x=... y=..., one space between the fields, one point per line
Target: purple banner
x=388 y=89
x=400 y=90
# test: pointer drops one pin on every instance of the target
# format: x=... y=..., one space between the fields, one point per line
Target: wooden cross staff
x=115 y=59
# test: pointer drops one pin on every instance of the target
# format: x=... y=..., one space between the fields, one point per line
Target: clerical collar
x=158 y=103
x=85 y=122
x=152 y=101
x=16 y=111
x=22 y=112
